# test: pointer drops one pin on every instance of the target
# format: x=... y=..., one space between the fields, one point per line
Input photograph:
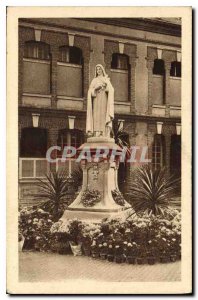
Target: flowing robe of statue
x=100 y=105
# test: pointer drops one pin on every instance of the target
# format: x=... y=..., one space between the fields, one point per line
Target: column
x=132 y=83
x=167 y=99
x=167 y=151
x=150 y=64
x=141 y=92
x=55 y=52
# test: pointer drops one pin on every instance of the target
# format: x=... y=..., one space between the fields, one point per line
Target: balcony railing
x=32 y=168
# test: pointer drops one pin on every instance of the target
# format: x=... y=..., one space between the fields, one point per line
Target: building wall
x=140 y=113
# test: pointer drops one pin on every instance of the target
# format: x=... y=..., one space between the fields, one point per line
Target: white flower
x=149 y=242
x=173 y=240
x=164 y=239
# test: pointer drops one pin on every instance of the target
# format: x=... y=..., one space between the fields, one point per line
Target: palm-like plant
x=151 y=191
x=54 y=189
x=120 y=137
x=77 y=177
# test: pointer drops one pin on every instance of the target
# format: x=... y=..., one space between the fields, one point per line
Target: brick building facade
x=56 y=64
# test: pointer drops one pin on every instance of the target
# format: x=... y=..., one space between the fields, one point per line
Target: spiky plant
x=54 y=189
x=120 y=137
x=77 y=177
x=152 y=191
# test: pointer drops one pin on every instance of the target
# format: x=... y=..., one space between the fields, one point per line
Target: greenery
x=54 y=189
x=77 y=177
x=152 y=191
x=118 y=197
x=144 y=237
x=90 y=197
x=120 y=138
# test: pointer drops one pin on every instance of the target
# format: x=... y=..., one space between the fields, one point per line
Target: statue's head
x=99 y=70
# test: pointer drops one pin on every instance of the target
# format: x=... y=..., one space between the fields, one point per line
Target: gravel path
x=44 y=267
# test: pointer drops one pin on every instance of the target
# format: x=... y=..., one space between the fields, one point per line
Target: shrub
x=151 y=191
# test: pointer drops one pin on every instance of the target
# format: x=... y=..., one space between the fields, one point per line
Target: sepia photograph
x=100 y=198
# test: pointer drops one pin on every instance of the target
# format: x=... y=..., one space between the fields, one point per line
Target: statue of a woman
x=100 y=104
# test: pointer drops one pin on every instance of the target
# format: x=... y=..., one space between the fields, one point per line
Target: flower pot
x=63 y=251
x=140 y=260
x=95 y=254
x=119 y=259
x=110 y=257
x=87 y=251
x=76 y=249
x=131 y=260
x=173 y=258
x=151 y=260
x=20 y=245
x=103 y=256
x=164 y=259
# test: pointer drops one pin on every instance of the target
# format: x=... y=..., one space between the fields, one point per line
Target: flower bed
x=145 y=239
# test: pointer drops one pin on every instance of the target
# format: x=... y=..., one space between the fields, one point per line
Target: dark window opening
x=71 y=55
x=175 y=70
x=37 y=50
x=175 y=155
x=159 y=68
x=158 y=152
x=33 y=142
x=120 y=61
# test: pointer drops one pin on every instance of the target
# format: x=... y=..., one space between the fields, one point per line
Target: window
x=175 y=155
x=69 y=72
x=36 y=68
x=37 y=50
x=158 y=151
x=159 y=68
x=33 y=142
x=72 y=55
x=73 y=137
x=120 y=76
x=175 y=70
x=120 y=61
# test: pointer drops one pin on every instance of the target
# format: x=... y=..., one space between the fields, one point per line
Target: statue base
x=99 y=197
x=95 y=215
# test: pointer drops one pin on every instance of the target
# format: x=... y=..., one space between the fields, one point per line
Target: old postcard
x=99 y=150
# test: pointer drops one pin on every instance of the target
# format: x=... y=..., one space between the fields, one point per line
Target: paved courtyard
x=43 y=267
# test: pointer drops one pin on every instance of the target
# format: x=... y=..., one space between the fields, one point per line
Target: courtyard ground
x=43 y=267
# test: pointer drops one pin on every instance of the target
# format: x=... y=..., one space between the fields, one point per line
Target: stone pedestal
x=100 y=175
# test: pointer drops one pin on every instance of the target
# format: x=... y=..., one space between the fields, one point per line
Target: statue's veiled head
x=99 y=70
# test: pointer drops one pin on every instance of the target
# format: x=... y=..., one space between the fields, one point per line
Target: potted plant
x=110 y=253
x=141 y=255
x=103 y=251
x=95 y=250
x=119 y=257
x=131 y=253
x=21 y=242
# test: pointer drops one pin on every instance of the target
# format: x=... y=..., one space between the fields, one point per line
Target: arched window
x=36 y=68
x=69 y=72
x=175 y=70
x=37 y=50
x=159 y=68
x=120 y=61
x=72 y=55
x=120 y=76
x=33 y=142
x=158 y=151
